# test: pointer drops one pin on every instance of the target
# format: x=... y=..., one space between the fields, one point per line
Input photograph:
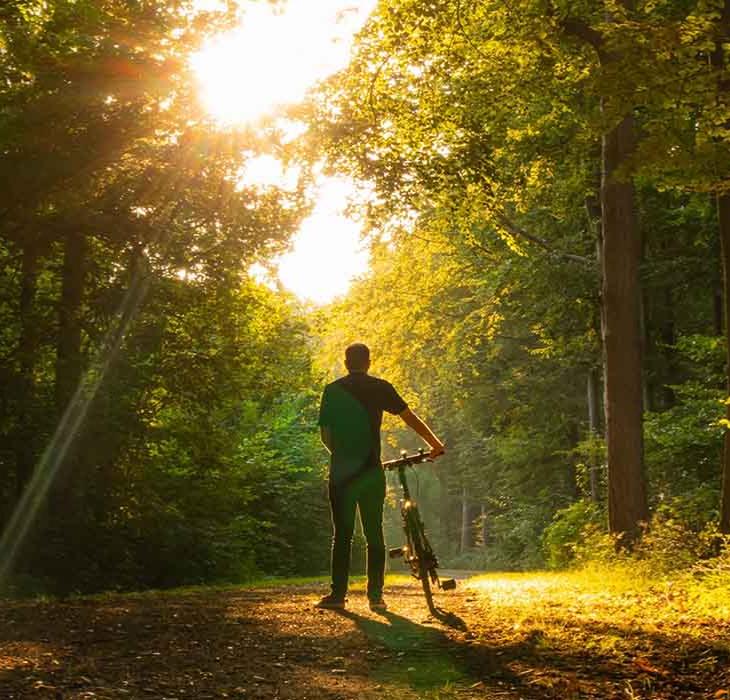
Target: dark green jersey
x=352 y=408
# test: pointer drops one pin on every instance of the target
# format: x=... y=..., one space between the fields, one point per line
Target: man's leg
x=343 y=505
x=371 y=495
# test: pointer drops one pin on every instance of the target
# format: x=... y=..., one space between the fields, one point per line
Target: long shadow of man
x=424 y=657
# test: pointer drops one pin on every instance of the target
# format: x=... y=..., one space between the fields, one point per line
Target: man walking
x=350 y=416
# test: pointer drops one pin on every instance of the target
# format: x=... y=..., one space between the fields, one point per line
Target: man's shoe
x=331 y=602
x=378 y=605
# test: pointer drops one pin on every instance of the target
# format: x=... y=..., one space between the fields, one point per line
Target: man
x=350 y=416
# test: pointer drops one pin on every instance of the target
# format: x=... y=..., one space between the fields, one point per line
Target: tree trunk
x=621 y=254
x=483 y=522
x=723 y=211
x=645 y=350
x=717 y=298
x=668 y=334
x=68 y=350
x=68 y=376
x=27 y=352
x=594 y=428
x=717 y=59
x=445 y=512
x=465 y=529
x=596 y=374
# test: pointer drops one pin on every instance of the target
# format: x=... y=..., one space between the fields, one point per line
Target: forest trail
x=523 y=636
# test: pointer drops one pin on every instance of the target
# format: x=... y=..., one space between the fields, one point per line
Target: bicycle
x=417 y=552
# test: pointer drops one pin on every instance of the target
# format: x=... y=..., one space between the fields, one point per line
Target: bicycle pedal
x=448 y=584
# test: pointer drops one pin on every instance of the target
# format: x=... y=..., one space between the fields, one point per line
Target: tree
x=119 y=188
x=503 y=115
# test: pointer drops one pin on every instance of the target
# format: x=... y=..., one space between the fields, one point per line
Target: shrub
x=676 y=539
x=567 y=533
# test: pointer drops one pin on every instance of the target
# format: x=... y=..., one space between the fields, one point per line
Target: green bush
x=715 y=572
x=679 y=535
x=564 y=537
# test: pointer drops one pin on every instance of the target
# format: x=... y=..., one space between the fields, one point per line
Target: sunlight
x=269 y=61
x=327 y=253
x=275 y=55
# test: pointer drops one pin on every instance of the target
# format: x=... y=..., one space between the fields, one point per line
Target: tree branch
x=580 y=29
x=518 y=232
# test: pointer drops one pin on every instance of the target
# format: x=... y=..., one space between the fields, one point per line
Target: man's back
x=352 y=409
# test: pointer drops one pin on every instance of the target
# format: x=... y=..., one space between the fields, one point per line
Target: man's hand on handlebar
x=437 y=451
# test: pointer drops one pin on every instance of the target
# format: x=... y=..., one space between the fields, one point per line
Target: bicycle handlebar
x=407 y=460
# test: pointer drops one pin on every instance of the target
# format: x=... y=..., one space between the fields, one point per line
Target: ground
x=506 y=636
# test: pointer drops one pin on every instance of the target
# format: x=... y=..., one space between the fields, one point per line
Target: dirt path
x=272 y=643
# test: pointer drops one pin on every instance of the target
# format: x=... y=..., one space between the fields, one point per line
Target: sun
x=275 y=55
x=271 y=60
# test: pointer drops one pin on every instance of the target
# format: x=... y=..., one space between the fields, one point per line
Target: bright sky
x=270 y=60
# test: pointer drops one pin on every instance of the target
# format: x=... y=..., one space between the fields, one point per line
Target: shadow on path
x=424 y=657
x=275 y=644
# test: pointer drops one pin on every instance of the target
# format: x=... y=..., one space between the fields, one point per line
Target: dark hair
x=357 y=357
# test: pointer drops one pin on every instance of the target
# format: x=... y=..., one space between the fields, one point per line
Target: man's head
x=357 y=357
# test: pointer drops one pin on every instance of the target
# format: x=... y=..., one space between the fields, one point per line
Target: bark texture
x=620 y=257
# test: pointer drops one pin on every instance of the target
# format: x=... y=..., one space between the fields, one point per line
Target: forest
x=546 y=204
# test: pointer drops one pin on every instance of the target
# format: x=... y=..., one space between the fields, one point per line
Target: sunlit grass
x=623 y=614
x=623 y=592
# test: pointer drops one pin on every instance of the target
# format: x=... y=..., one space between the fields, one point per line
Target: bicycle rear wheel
x=423 y=554
x=425 y=576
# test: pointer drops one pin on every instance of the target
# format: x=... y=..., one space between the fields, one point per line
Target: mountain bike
x=417 y=551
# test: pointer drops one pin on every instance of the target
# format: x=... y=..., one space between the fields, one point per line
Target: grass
x=656 y=636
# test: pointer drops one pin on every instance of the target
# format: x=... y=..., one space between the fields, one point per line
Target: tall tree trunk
x=723 y=211
x=620 y=257
x=69 y=368
x=465 y=525
x=68 y=350
x=668 y=335
x=645 y=349
x=27 y=352
x=594 y=428
x=723 y=218
x=597 y=374
x=445 y=502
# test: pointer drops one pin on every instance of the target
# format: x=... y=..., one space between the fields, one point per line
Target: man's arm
x=415 y=423
x=326 y=435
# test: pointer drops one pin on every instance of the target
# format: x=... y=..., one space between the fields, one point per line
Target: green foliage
x=714 y=573
x=477 y=128
x=673 y=544
x=684 y=442
x=568 y=532
x=681 y=537
x=124 y=244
